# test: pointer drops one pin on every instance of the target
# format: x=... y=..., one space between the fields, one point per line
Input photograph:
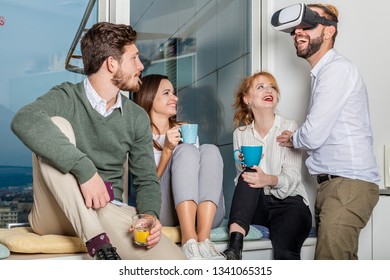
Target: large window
x=202 y=45
x=35 y=37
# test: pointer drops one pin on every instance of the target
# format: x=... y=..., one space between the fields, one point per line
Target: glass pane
x=35 y=37
x=203 y=47
x=192 y=42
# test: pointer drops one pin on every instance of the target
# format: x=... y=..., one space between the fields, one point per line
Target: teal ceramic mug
x=251 y=155
x=189 y=133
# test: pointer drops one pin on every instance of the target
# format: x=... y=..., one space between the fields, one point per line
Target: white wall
x=363 y=38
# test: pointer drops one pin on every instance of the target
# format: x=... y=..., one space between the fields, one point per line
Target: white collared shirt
x=337 y=132
x=285 y=163
x=98 y=103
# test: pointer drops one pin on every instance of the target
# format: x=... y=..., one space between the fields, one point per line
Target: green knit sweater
x=102 y=143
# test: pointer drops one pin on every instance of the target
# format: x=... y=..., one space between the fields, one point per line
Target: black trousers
x=289 y=220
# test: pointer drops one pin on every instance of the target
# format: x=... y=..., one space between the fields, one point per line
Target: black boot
x=234 y=251
x=107 y=252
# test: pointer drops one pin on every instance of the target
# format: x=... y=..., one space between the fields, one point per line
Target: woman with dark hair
x=190 y=174
x=271 y=194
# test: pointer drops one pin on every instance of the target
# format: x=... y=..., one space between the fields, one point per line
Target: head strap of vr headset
x=323 y=20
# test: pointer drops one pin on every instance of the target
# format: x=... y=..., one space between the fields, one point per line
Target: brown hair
x=145 y=97
x=243 y=114
x=103 y=40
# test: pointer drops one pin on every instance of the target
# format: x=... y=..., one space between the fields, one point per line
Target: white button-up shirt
x=337 y=132
x=285 y=163
x=98 y=103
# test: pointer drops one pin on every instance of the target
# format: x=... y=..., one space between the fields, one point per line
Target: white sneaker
x=208 y=251
x=191 y=250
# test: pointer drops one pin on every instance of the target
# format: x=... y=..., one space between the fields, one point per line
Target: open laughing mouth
x=301 y=41
x=268 y=98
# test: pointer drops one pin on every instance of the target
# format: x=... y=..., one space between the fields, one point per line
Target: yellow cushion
x=173 y=233
x=23 y=240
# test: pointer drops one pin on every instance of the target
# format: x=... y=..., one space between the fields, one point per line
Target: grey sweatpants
x=192 y=174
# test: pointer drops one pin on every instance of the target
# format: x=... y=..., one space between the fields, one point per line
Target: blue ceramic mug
x=251 y=155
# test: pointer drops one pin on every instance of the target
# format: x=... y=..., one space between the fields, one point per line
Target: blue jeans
x=289 y=220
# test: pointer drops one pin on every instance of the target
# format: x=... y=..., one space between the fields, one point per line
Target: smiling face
x=263 y=94
x=307 y=46
x=165 y=101
x=310 y=43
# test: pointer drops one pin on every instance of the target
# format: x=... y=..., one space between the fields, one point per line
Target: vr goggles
x=298 y=16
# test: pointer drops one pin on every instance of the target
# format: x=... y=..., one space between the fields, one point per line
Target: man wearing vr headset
x=337 y=132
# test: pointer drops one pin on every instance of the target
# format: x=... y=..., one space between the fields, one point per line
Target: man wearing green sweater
x=81 y=136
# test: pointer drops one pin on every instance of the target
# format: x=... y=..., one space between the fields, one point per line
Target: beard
x=313 y=47
x=123 y=81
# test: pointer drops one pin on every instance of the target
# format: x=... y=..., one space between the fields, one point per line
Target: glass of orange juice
x=142 y=224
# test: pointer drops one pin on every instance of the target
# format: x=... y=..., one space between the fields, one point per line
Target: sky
x=35 y=37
